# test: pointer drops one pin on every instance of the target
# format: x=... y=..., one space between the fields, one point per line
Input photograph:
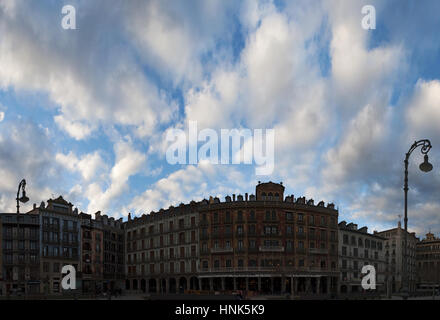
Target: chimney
x=129 y=216
x=233 y=197
x=35 y=206
x=246 y=196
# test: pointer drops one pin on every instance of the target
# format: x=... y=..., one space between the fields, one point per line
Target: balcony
x=271 y=249
x=318 y=251
x=222 y=250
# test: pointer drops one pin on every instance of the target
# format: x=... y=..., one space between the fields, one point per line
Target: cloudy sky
x=84 y=113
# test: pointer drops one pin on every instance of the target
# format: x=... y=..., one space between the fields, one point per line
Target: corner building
x=261 y=243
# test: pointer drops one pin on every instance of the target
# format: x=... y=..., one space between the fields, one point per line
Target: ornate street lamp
x=23 y=197
x=425 y=167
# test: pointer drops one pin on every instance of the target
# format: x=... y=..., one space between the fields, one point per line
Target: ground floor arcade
x=262 y=284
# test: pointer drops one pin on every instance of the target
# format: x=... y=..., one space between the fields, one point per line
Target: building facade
x=19 y=254
x=358 y=248
x=394 y=248
x=92 y=254
x=428 y=262
x=59 y=242
x=113 y=242
x=162 y=250
x=261 y=243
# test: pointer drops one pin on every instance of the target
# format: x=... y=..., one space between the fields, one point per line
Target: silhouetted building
x=19 y=254
x=428 y=261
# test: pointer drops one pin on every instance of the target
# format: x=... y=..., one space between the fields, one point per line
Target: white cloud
x=87 y=90
x=2 y=116
x=191 y=183
x=88 y=165
x=129 y=162
x=423 y=112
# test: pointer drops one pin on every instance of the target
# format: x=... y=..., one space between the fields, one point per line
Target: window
x=289 y=216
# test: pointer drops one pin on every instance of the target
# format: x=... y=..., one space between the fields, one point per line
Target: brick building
x=113 y=252
x=265 y=243
x=162 y=250
x=92 y=243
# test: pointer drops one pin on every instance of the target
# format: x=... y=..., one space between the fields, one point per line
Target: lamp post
x=425 y=167
x=23 y=197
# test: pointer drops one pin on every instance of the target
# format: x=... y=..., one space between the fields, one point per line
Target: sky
x=85 y=113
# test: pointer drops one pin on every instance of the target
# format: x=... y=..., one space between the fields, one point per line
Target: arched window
x=263 y=196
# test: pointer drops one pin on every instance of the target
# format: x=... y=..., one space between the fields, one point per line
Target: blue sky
x=84 y=113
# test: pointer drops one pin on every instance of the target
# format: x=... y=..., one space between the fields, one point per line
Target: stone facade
x=357 y=248
x=394 y=245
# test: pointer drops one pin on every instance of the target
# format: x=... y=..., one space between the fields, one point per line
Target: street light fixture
x=425 y=167
x=23 y=197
